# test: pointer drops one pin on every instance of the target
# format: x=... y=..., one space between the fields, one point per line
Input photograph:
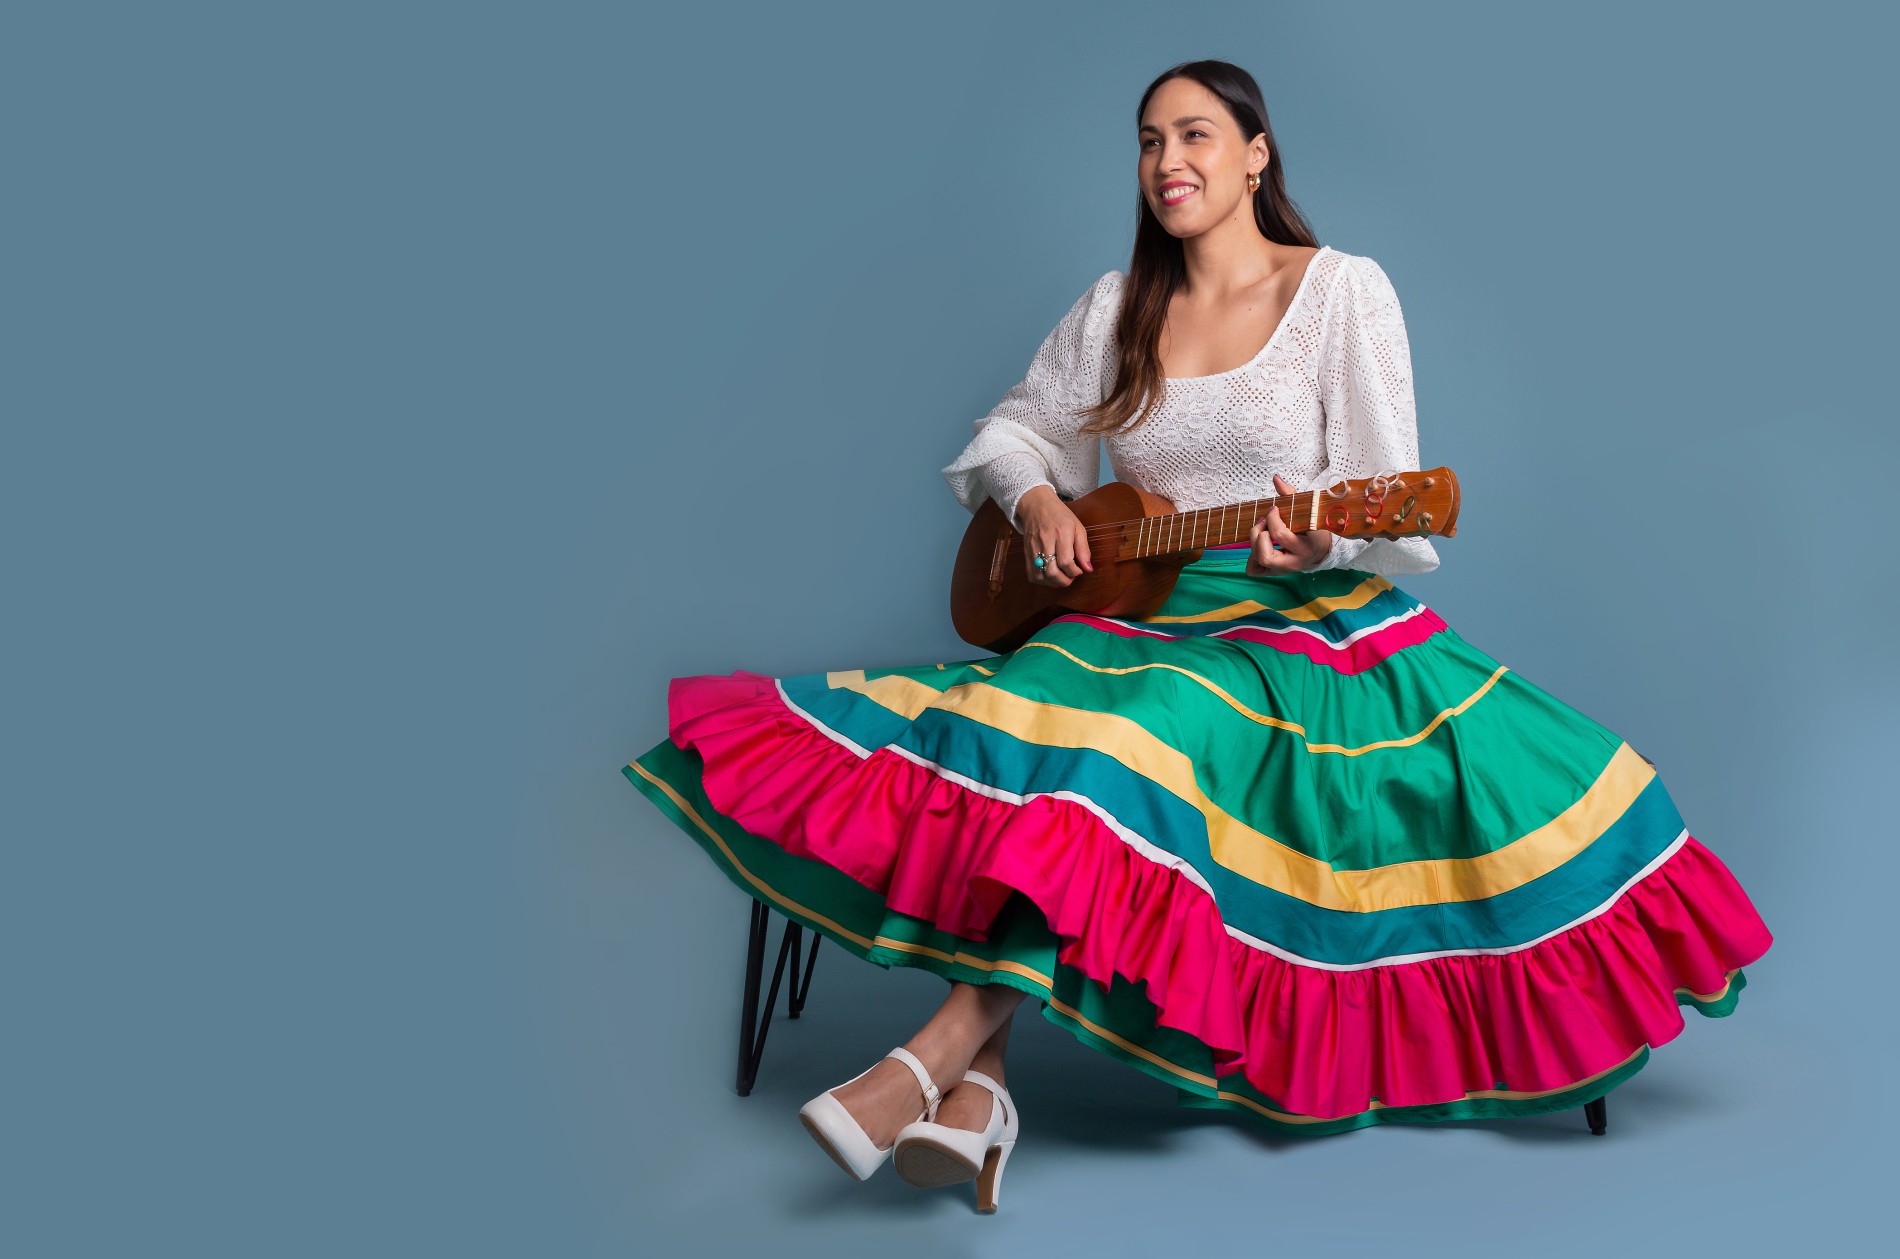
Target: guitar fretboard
x=1215 y=526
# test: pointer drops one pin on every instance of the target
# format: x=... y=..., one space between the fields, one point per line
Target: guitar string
x=1213 y=514
x=1207 y=525
x=1213 y=521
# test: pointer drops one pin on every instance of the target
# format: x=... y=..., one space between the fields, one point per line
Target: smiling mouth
x=1175 y=196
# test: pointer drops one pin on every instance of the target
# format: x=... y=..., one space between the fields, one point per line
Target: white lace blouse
x=1328 y=396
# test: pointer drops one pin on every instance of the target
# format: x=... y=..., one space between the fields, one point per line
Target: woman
x=1288 y=843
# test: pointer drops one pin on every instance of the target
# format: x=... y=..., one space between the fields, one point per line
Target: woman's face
x=1194 y=161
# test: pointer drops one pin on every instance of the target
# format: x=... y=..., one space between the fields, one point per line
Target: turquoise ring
x=1042 y=561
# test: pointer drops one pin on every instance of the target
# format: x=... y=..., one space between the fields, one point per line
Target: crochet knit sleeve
x=1029 y=438
x=1365 y=368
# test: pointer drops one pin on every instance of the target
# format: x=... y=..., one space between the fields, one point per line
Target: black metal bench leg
x=795 y=999
x=749 y=1007
x=752 y=1028
x=1595 y=1113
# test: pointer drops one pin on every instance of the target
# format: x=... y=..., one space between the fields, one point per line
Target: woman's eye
x=1194 y=131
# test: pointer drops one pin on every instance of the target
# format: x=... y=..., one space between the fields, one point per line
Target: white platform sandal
x=842 y=1137
x=932 y=1154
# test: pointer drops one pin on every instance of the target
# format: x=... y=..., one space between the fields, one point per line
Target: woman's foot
x=967 y=1106
x=857 y=1123
x=949 y=1151
x=883 y=1100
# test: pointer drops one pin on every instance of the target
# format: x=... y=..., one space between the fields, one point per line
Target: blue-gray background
x=397 y=395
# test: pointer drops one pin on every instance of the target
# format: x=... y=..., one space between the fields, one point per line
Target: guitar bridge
x=997 y=560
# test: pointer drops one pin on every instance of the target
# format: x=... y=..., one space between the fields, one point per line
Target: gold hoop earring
x=1253 y=183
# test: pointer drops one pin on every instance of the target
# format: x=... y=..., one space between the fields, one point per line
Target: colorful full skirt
x=1290 y=844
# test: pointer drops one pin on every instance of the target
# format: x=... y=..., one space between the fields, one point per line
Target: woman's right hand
x=1050 y=528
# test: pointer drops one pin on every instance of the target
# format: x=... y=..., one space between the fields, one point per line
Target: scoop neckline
x=1299 y=291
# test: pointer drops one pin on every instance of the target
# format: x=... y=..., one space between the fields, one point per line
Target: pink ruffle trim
x=1320 y=1042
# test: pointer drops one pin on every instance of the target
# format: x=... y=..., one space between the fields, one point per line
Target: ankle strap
x=977 y=1077
x=909 y=1059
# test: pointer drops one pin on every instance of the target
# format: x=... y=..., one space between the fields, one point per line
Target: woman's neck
x=1228 y=259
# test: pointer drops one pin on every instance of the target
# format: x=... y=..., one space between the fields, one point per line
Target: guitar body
x=1138 y=545
x=994 y=605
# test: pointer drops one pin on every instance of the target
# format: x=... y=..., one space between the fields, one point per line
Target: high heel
x=843 y=1137
x=930 y=1154
x=989 y=1182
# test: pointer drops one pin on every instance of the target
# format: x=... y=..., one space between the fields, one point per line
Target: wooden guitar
x=1138 y=544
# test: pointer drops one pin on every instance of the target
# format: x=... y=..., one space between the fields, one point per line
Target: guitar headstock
x=1395 y=505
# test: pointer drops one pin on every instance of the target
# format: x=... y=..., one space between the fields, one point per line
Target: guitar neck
x=1393 y=505
x=1217 y=526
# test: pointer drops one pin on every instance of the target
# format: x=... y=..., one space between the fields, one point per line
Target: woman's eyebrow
x=1179 y=122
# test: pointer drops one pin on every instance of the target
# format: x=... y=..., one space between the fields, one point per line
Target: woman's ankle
x=989 y=1064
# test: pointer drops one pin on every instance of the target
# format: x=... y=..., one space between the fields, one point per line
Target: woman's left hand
x=1277 y=550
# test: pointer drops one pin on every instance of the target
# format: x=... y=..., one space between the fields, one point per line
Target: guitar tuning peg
x=1429 y=482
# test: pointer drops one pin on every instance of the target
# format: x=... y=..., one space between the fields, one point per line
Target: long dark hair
x=1158 y=264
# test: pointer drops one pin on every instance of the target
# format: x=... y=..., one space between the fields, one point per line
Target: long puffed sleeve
x=1029 y=438
x=1371 y=416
